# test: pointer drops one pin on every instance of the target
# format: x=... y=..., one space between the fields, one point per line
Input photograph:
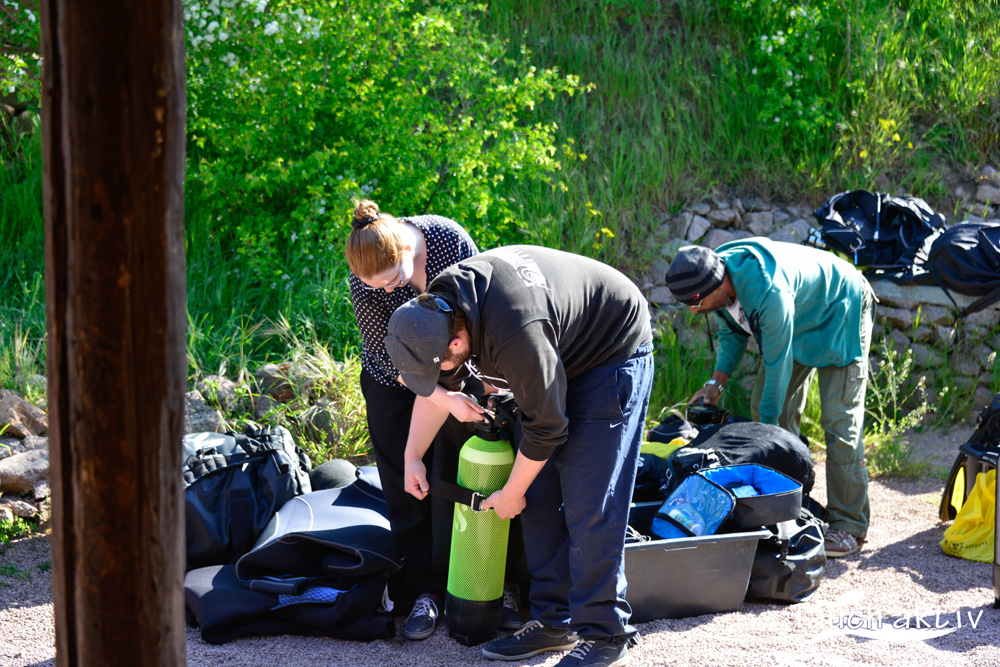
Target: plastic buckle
x=477 y=503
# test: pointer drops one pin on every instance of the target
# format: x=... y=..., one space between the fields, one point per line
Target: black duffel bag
x=233 y=484
x=966 y=259
x=789 y=565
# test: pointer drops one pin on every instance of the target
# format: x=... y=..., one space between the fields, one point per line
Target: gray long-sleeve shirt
x=539 y=318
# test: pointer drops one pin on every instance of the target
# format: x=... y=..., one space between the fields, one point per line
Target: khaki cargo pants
x=842 y=408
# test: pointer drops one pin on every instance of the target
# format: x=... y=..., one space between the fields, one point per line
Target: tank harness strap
x=456 y=494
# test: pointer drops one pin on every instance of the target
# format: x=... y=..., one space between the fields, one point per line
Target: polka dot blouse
x=446 y=243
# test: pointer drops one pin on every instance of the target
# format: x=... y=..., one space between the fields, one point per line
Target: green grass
x=682 y=369
x=14 y=572
x=674 y=112
x=22 y=288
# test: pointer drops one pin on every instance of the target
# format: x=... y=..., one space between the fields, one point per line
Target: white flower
x=295 y=237
x=261 y=6
x=810 y=57
x=271 y=28
x=284 y=276
x=212 y=26
x=777 y=120
x=753 y=71
x=31 y=15
x=223 y=36
x=305 y=271
x=769 y=49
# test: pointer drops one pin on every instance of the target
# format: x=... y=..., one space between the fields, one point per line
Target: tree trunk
x=113 y=124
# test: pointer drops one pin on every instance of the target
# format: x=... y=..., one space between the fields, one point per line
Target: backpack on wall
x=878 y=231
x=966 y=259
x=233 y=484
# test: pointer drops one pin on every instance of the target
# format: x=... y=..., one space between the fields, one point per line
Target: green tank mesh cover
x=479 y=541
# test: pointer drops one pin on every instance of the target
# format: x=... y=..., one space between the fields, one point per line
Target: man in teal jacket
x=809 y=311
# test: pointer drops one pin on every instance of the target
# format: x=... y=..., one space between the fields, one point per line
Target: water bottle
x=685 y=514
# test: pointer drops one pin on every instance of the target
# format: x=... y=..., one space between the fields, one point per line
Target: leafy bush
x=11 y=530
x=295 y=108
x=20 y=49
x=294 y=111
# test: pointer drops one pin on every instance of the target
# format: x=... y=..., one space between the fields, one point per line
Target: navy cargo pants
x=577 y=508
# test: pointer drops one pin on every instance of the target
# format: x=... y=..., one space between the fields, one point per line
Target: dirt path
x=900 y=574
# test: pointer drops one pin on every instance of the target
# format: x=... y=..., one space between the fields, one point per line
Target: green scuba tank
x=478 y=545
x=474 y=604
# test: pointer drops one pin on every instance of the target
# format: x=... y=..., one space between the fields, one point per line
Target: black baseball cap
x=417 y=342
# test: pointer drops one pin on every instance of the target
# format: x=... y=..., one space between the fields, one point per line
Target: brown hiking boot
x=838 y=544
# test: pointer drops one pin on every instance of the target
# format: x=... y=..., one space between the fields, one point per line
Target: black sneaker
x=422 y=620
x=595 y=653
x=510 y=619
x=533 y=638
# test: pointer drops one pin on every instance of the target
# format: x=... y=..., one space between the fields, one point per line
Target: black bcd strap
x=456 y=494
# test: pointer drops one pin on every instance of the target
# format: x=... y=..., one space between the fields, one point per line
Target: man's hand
x=415 y=478
x=710 y=393
x=465 y=408
x=507 y=505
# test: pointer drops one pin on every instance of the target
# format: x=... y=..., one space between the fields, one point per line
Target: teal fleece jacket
x=802 y=304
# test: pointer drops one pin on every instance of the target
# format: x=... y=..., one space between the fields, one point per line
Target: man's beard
x=457 y=359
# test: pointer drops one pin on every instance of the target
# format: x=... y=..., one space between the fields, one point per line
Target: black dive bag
x=789 y=565
x=233 y=484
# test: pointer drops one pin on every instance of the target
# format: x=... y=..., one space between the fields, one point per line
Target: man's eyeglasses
x=398 y=283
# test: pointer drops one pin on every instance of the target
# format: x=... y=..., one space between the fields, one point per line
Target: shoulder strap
x=982 y=302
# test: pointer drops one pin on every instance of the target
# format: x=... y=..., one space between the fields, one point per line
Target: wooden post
x=113 y=122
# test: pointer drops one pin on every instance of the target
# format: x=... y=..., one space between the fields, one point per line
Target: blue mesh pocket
x=696 y=507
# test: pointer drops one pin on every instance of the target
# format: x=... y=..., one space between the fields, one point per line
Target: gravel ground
x=901 y=574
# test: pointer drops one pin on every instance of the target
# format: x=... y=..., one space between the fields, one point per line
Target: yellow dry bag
x=972 y=535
